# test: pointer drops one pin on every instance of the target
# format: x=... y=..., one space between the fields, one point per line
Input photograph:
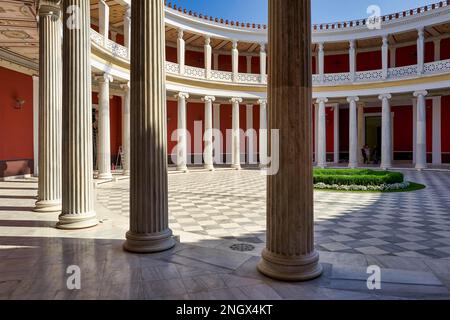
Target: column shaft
x=289 y=253
x=421 y=139
x=181 y=51
x=263 y=156
x=208 y=138
x=336 y=134
x=104 y=129
x=386 y=132
x=126 y=118
x=235 y=61
x=182 y=152
x=236 y=135
x=353 y=132
x=437 y=130
x=208 y=57
x=149 y=215
x=263 y=63
x=385 y=56
x=50 y=104
x=322 y=134
x=77 y=159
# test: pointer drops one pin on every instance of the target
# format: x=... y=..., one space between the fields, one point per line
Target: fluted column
x=77 y=159
x=104 y=128
x=421 y=139
x=352 y=55
x=321 y=61
x=182 y=132
x=50 y=101
x=236 y=135
x=322 y=134
x=208 y=138
x=263 y=133
x=290 y=253
x=126 y=129
x=386 y=132
x=353 y=132
x=149 y=216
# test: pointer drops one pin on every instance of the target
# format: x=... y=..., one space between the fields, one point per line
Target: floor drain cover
x=242 y=247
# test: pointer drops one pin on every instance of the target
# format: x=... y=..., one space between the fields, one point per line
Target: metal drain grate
x=242 y=247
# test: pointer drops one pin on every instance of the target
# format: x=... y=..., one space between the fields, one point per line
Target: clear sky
x=323 y=10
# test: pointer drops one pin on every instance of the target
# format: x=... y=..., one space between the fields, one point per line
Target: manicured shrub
x=358 y=177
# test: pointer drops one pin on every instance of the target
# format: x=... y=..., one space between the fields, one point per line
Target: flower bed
x=361 y=180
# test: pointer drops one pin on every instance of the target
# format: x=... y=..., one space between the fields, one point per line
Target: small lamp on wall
x=19 y=103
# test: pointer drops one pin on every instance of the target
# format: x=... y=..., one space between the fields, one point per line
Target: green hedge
x=360 y=177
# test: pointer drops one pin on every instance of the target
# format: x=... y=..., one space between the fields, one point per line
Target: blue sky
x=323 y=10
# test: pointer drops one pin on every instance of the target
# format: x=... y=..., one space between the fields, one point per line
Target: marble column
x=104 y=128
x=361 y=132
x=336 y=134
x=414 y=129
x=263 y=134
x=36 y=93
x=322 y=134
x=208 y=57
x=420 y=50
x=236 y=135
x=182 y=157
x=263 y=63
x=127 y=30
x=235 y=61
x=321 y=61
x=77 y=158
x=149 y=215
x=421 y=138
x=289 y=254
x=437 y=130
x=386 y=132
x=352 y=55
x=181 y=50
x=126 y=120
x=385 y=56
x=103 y=20
x=50 y=101
x=353 y=132
x=208 y=138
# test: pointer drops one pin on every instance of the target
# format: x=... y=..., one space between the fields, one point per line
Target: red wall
x=406 y=56
x=344 y=118
x=16 y=125
x=337 y=63
x=171 y=54
x=445 y=118
x=403 y=128
x=366 y=61
x=225 y=63
x=330 y=129
x=172 y=125
x=445 y=49
x=195 y=59
x=256 y=66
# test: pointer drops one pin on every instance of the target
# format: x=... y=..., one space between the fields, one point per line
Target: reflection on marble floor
x=34 y=256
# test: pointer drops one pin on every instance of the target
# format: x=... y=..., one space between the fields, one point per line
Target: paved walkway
x=221 y=210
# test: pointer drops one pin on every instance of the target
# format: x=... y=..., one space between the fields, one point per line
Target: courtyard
x=219 y=219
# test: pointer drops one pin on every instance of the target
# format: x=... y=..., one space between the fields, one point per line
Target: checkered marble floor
x=231 y=205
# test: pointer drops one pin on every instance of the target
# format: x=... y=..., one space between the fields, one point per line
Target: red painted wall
x=195 y=112
x=225 y=63
x=406 y=56
x=445 y=49
x=403 y=128
x=429 y=126
x=171 y=54
x=226 y=124
x=16 y=125
x=195 y=59
x=330 y=129
x=445 y=118
x=344 y=117
x=256 y=66
x=172 y=125
x=366 y=61
x=337 y=63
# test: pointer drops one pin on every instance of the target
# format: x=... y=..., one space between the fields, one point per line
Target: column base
x=236 y=167
x=209 y=167
x=77 y=221
x=420 y=167
x=353 y=165
x=321 y=165
x=385 y=166
x=290 y=269
x=48 y=206
x=104 y=176
x=149 y=243
x=183 y=169
x=126 y=172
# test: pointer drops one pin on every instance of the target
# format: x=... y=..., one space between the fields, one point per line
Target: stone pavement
x=34 y=256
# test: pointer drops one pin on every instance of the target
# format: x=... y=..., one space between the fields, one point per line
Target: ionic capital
x=387 y=96
x=421 y=93
x=352 y=99
x=209 y=99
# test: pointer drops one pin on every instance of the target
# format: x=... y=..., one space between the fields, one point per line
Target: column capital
x=235 y=44
x=207 y=40
x=322 y=100
x=321 y=46
x=182 y=96
x=385 y=40
x=262 y=47
x=422 y=93
x=104 y=78
x=420 y=32
x=352 y=43
x=50 y=8
x=385 y=96
x=209 y=99
x=180 y=34
x=127 y=13
x=352 y=99
x=236 y=100
x=262 y=102
x=125 y=86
